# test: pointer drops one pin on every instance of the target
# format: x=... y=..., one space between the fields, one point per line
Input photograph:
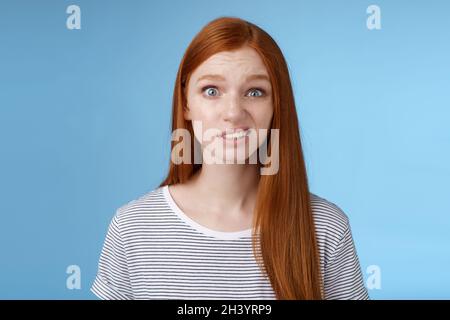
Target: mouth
x=234 y=134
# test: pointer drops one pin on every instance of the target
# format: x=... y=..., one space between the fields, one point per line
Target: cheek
x=202 y=109
x=205 y=114
x=263 y=115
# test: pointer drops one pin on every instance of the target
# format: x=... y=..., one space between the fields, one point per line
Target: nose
x=234 y=110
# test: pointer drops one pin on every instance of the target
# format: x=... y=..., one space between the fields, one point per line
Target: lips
x=234 y=133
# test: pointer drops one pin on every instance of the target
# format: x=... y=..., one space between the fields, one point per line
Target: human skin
x=222 y=196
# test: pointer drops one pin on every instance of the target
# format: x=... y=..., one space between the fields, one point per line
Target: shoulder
x=141 y=207
x=332 y=226
x=339 y=260
x=327 y=213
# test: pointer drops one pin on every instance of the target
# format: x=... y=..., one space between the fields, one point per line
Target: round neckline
x=224 y=235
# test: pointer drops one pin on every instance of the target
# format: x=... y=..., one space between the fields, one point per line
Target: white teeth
x=236 y=135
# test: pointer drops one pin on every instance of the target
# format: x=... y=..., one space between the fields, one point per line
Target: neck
x=228 y=188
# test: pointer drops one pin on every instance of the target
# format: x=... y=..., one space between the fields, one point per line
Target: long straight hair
x=287 y=250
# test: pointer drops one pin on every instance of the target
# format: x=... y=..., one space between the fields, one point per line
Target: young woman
x=227 y=229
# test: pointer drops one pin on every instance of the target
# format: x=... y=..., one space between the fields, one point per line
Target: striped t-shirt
x=153 y=250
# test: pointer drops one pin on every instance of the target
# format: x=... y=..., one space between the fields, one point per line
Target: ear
x=187 y=113
x=186 y=110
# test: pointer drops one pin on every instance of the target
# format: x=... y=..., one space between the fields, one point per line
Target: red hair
x=287 y=251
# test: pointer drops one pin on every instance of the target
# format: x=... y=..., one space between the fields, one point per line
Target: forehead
x=243 y=61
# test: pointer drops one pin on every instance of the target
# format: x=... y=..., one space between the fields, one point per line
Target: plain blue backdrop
x=85 y=127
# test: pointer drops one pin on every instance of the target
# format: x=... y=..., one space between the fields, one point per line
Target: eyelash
x=263 y=92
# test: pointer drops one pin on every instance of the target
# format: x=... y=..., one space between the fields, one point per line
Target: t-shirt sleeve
x=112 y=281
x=343 y=278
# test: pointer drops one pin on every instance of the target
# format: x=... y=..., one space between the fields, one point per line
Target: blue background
x=85 y=127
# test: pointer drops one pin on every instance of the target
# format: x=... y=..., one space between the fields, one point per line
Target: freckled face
x=230 y=90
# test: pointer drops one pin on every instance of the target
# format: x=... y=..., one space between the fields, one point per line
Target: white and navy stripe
x=153 y=250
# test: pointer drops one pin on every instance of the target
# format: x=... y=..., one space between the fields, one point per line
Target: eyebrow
x=218 y=77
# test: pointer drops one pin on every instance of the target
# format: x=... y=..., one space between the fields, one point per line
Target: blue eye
x=259 y=92
x=211 y=91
